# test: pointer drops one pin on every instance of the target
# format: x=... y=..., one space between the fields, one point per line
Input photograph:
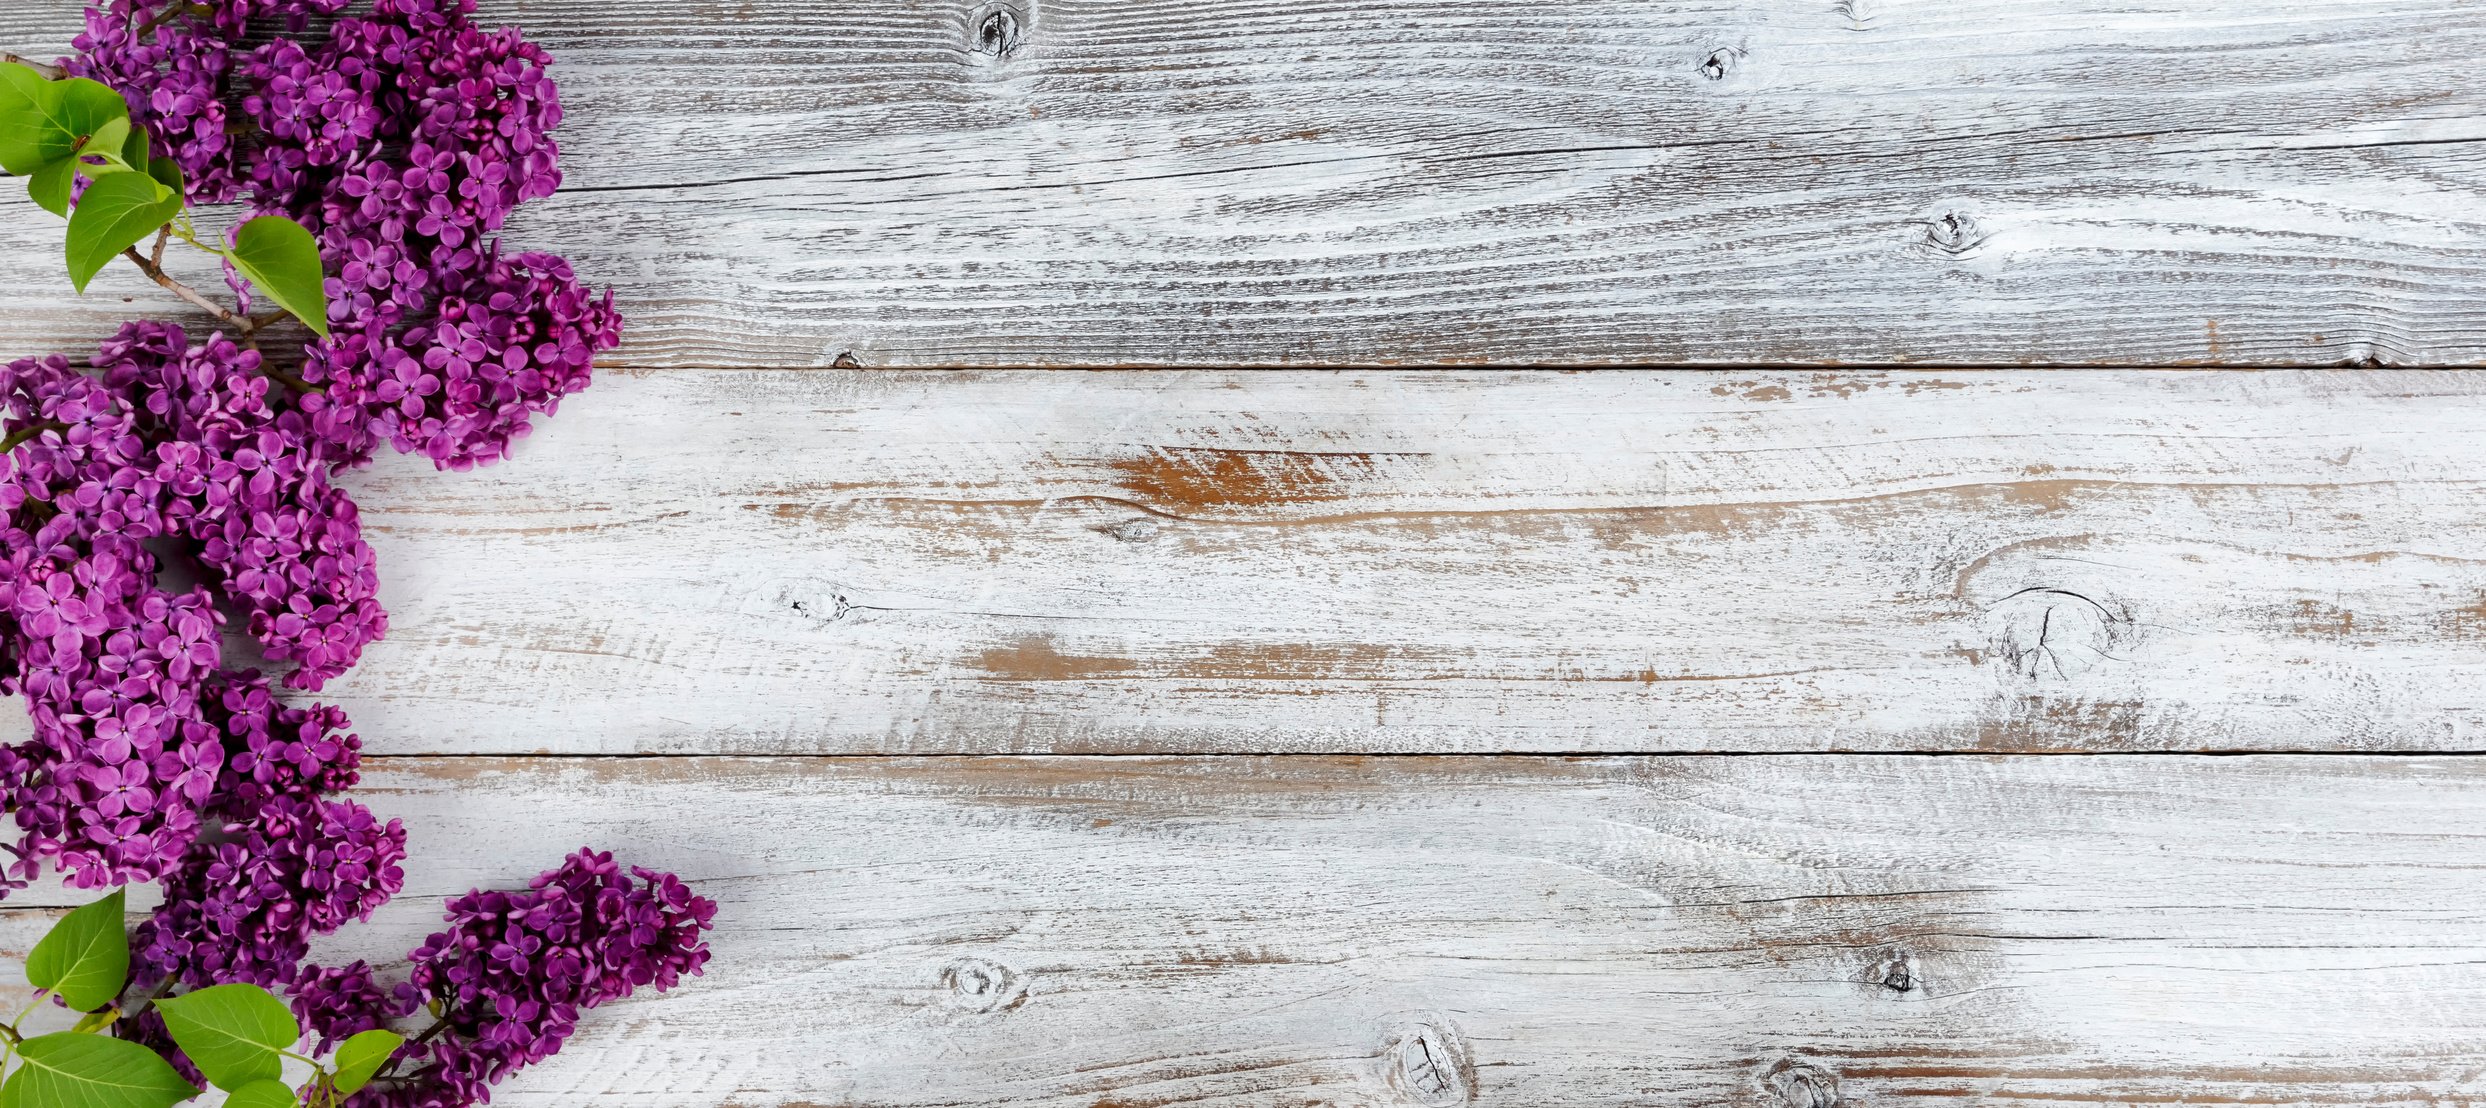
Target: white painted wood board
x=1142 y=182
x=1666 y=931
x=923 y=562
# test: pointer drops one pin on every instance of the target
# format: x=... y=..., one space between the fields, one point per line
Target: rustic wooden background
x=1394 y=726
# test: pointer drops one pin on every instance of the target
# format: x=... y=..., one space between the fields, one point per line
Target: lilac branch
x=20 y=436
x=53 y=72
x=156 y=272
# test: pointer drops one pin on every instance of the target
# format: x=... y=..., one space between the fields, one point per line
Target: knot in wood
x=834 y=610
x=1895 y=972
x=1427 y=1064
x=1953 y=232
x=993 y=31
x=1131 y=530
x=978 y=985
x=1796 y=1083
x=2051 y=634
x=1720 y=62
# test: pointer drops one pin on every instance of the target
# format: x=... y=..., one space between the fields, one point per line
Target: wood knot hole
x=1796 y=1083
x=995 y=32
x=1720 y=62
x=1428 y=1065
x=1896 y=972
x=978 y=985
x=1953 y=232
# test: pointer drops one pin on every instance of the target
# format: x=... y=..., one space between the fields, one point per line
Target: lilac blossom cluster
x=403 y=139
x=160 y=445
x=511 y=974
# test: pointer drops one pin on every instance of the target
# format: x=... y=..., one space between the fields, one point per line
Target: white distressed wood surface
x=704 y=556
x=1312 y=182
x=923 y=562
x=1071 y=933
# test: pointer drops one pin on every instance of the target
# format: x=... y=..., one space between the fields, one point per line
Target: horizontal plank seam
x=639 y=369
x=1434 y=755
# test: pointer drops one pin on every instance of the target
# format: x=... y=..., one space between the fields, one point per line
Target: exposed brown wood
x=908 y=562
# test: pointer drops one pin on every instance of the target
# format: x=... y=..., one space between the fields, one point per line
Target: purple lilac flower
x=513 y=971
x=252 y=489
x=174 y=77
x=339 y=1002
x=109 y=787
x=273 y=751
x=245 y=908
x=508 y=342
x=403 y=139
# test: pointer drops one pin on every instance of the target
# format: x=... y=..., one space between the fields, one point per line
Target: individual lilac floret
x=514 y=969
x=245 y=908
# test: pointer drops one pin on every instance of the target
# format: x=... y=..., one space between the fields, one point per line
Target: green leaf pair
x=84 y=960
x=238 y=1036
x=53 y=132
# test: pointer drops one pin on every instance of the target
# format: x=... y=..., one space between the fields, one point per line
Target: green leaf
x=84 y=959
x=135 y=153
x=85 y=105
x=50 y=185
x=281 y=260
x=362 y=1056
x=167 y=173
x=115 y=213
x=29 y=132
x=68 y=1070
x=232 y=1033
x=262 y=1094
x=108 y=138
x=50 y=122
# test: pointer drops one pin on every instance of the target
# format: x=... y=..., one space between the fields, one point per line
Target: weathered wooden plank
x=1300 y=931
x=773 y=182
x=919 y=562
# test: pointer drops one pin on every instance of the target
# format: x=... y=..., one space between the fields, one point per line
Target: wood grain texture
x=1783 y=932
x=1144 y=182
x=1200 y=571
x=920 y=562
